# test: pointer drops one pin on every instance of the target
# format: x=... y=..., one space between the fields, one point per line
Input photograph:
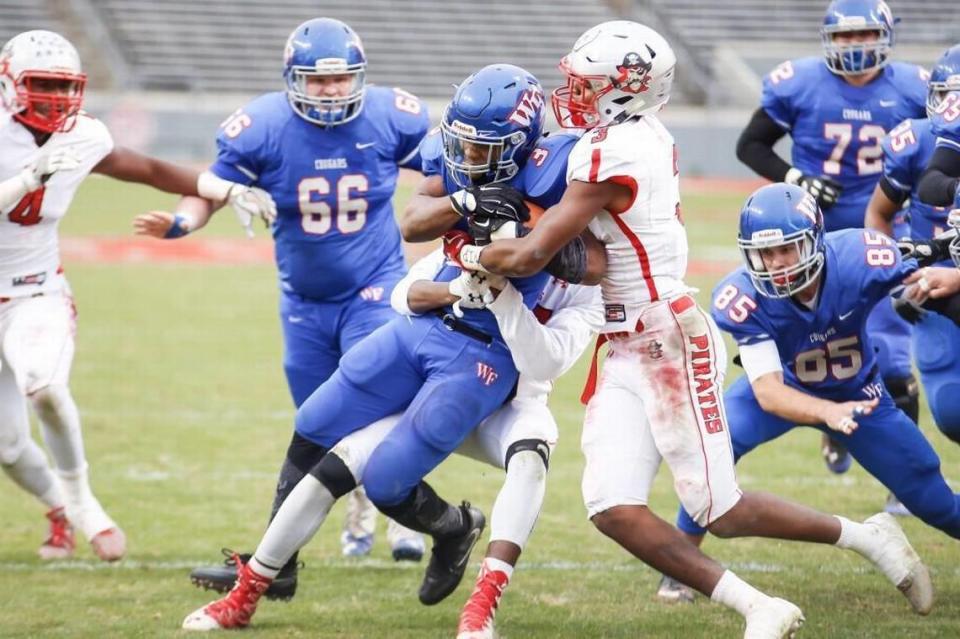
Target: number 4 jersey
x=837 y=128
x=825 y=351
x=335 y=229
x=29 y=247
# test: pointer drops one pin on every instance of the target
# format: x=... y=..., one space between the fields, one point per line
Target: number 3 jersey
x=335 y=230
x=837 y=128
x=29 y=246
x=825 y=351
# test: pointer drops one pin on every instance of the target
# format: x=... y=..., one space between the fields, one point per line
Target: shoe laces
x=241 y=602
x=61 y=532
x=482 y=605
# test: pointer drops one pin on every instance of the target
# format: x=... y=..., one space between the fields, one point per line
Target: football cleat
x=223 y=577
x=61 y=541
x=353 y=546
x=899 y=562
x=672 y=591
x=476 y=618
x=895 y=507
x=408 y=549
x=774 y=619
x=836 y=456
x=449 y=559
x=109 y=544
x=234 y=610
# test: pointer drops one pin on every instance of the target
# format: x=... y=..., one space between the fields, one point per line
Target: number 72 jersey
x=825 y=351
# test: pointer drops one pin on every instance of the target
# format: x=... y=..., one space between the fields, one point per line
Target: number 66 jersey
x=824 y=350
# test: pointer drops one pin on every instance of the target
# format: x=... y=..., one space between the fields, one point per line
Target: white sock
x=83 y=509
x=735 y=593
x=492 y=564
x=297 y=521
x=518 y=504
x=60 y=421
x=32 y=473
x=860 y=538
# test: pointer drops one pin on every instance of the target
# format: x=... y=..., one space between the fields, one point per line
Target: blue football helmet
x=944 y=78
x=849 y=16
x=491 y=125
x=780 y=215
x=324 y=47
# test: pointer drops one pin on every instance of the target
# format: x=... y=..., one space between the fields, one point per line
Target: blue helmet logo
x=944 y=78
x=491 y=125
x=781 y=239
x=324 y=67
x=847 y=54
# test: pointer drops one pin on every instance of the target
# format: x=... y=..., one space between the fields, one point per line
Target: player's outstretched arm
x=940 y=182
x=800 y=408
x=191 y=214
x=755 y=147
x=430 y=212
x=880 y=210
x=557 y=227
x=128 y=165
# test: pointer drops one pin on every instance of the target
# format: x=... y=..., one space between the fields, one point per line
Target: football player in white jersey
x=47 y=147
x=519 y=437
x=660 y=395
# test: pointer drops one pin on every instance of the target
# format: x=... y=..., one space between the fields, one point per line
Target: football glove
x=908 y=309
x=47 y=162
x=250 y=202
x=826 y=191
x=494 y=201
x=474 y=290
x=926 y=252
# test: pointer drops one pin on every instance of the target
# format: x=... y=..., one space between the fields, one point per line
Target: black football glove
x=908 y=309
x=926 y=252
x=491 y=210
x=826 y=191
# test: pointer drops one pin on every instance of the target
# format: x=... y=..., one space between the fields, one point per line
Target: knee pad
x=905 y=392
x=334 y=475
x=538 y=446
x=694 y=496
x=441 y=425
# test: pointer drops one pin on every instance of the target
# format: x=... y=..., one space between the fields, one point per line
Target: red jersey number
x=27 y=210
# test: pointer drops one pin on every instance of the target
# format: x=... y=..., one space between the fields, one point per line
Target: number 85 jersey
x=825 y=351
x=335 y=230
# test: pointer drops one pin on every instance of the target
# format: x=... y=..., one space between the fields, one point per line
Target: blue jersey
x=543 y=179
x=825 y=351
x=335 y=230
x=906 y=153
x=837 y=128
x=946 y=122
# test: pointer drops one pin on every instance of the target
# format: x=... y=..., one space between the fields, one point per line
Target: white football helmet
x=41 y=80
x=617 y=70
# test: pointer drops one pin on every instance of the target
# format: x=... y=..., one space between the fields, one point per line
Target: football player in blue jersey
x=907 y=151
x=445 y=371
x=328 y=149
x=837 y=114
x=798 y=312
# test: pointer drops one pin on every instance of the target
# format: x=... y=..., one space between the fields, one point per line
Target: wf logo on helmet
x=486 y=373
x=634 y=72
x=530 y=104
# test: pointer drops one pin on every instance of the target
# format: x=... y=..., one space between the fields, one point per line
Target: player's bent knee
x=613 y=522
x=334 y=474
x=12 y=446
x=532 y=449
x=945 y=407
x=695 y=496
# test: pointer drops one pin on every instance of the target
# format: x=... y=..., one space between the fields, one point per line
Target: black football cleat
x=450 y=557
x=222 y=578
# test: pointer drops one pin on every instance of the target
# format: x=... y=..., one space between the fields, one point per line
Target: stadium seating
x=22 y=15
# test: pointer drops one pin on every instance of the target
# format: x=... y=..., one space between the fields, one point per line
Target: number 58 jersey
x=29 y=246
x=825 y=351
x=335 y=230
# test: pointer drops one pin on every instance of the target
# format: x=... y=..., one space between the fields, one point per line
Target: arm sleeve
x=938 y=184
x=755 y=147
x=760 y=358
x=425 y=269
x=543 y=352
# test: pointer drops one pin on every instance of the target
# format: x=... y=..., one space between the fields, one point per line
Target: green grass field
x=186 y=418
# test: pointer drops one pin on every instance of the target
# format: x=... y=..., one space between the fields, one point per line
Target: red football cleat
x=476 y=620
x=61 y=541
x=234 y=610
x=110 y=544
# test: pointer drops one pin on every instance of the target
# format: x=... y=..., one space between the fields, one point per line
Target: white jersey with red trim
x=29 y=247
x=646 y=242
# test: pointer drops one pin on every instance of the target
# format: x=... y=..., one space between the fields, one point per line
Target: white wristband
x=213 y=188
x=793 y=176
x=470 y=258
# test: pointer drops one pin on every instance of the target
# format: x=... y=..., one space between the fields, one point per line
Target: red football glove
x=453 y=243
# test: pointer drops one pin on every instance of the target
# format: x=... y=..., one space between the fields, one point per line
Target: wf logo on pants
x=486 y=373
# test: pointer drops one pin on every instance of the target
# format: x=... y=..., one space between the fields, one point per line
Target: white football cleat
x=774 y=619
x=899 y=562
